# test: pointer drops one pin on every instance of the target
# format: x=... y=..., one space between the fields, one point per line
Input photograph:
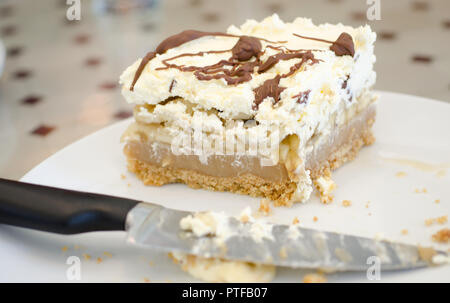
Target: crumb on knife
x=442 y=236
x=426 y=253
x=86 y=256
x=439 y=220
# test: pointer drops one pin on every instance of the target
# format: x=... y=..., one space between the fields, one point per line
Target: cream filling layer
x=150 y=143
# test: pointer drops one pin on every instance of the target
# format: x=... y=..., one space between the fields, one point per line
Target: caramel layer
x=160 y=154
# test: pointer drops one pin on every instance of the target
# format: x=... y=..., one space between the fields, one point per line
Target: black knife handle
x=59 y=210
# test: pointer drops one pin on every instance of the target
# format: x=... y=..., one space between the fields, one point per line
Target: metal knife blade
x=159 y=228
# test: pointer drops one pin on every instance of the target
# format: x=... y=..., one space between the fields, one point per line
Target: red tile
x=420 y=6
x=274 y=7
x=359 y=16
x=9 y=30
x=22 y=74
x=446 y=24
x=93 y=61
x=108 y=85
x=81 y=39
x=42 y=130
x=31 y=100
x=386 y=35
x=422 y=59
x=15 y=51
x=211 y=17
x=123 y=114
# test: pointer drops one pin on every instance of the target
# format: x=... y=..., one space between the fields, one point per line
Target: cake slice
x=267 y=109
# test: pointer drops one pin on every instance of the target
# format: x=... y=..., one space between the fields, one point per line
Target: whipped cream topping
x=319 y=85
x=156 y=85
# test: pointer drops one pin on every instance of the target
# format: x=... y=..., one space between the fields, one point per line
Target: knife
x=65 y=211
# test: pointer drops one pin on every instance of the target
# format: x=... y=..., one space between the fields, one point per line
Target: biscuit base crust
x=279 y=192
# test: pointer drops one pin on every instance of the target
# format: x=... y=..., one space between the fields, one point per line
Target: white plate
x=407 y=128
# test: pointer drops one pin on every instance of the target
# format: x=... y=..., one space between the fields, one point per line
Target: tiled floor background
x=60 y=78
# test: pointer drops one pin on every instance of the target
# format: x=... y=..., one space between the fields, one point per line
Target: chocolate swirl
x=239 y=68
x=246 y=48
x=144 y=61
x=270 y=88
x=171 y=42
x=184 y=37
x=341 y=47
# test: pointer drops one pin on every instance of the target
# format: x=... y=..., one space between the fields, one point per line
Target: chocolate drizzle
x=184 y=37
x=303 y=97
x=272 y=60
x=241 y=72
x=171 y=42
x=144 y=61
x=245 y=58
x=341 y=47
x=238 y=73
x=346 y=88
x=171 y=85
x=246 y=48
x=270 y=88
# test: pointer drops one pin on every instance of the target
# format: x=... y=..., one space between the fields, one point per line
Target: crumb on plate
x=264 y=207
x=420 y=190
x=346 y=203
x=400 y=174
x=439 y=220
x=325 y=185
x=442 y=236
